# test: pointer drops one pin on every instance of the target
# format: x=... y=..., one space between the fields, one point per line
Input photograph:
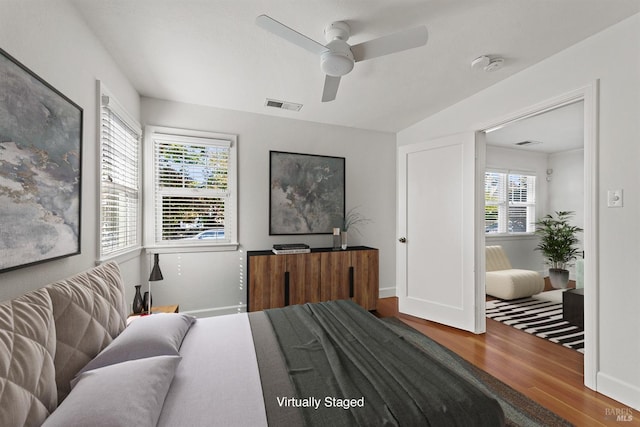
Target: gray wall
x=52 y=40
x=214 y=282
x=71 y=59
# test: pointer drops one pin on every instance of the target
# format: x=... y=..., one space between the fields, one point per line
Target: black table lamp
x=156 y=274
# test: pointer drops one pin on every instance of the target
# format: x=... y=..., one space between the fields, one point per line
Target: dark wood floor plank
x=547 y=373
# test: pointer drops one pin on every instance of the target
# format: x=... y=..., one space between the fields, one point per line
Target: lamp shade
x=156 y=274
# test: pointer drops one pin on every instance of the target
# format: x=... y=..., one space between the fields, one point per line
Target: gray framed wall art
x=307 y=193
x=40 y=169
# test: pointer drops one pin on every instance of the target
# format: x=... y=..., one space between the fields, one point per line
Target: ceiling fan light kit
x=338 y=60
x=337 y=57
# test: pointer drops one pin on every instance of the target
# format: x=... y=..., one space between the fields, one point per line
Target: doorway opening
x=556 y=142
x=543 y=158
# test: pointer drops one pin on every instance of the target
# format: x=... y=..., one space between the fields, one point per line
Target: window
x=119 y=178
x=510 y=202
x=194 y=188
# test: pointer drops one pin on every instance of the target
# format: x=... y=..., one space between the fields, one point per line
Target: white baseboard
x=623 y=392
x=387 y=292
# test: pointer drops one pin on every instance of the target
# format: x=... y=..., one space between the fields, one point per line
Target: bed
x=68 y=359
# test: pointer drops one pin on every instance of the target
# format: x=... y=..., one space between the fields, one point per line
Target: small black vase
x=146 y=302
x=137 y=301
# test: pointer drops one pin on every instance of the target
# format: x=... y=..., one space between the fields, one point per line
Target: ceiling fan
x=337 y=57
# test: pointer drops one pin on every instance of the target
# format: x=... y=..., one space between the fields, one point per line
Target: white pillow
x=154 y=335
x=122 y=395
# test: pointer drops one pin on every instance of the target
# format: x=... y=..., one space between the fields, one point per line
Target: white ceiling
x=210 y=52
x=557 y=130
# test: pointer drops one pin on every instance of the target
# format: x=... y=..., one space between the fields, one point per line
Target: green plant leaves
x=558 y=241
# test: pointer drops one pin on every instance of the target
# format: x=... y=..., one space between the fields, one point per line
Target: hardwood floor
x=545 y=372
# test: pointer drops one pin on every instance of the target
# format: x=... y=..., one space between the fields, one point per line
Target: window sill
x=181 y=249
x=121 y=257
x=513 y=236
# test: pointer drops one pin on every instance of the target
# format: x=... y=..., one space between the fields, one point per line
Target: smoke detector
x=487 y=63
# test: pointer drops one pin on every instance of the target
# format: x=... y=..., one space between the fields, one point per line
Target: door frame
x=589 y=95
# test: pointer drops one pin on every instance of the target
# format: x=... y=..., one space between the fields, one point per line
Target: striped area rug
x=540 y=316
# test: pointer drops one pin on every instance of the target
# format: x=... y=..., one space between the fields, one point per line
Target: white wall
x=566 y=187
x=613 y=57
x=214 y=282
x=51 y=39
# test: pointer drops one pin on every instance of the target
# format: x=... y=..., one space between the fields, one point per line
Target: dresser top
x=315 y=250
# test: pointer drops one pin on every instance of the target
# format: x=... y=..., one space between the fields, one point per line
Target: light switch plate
x=614 y=198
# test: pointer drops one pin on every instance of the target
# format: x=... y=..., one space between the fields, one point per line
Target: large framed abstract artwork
x=307 y=193
x=40 y=169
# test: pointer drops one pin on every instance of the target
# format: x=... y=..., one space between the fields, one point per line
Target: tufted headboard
x=48 y=335
x=89 y=311
x=27 y=348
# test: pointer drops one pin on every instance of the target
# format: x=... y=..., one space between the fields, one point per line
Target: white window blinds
x=119 y=179
x=510 y=202
x=194 y=194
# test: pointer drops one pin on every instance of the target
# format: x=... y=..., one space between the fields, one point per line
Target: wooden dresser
x=321 y=275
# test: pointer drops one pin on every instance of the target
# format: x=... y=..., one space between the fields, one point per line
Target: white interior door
x=440 y=246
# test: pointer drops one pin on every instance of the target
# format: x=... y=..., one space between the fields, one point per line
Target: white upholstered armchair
x=505 y=282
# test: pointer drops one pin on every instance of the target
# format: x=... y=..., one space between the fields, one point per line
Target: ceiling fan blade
x=281 y=30
x=330 y=90
x=396 y=42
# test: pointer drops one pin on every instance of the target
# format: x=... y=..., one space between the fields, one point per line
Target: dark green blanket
x=349 y=369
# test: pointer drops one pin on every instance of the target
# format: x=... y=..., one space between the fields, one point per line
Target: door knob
x=402 y=240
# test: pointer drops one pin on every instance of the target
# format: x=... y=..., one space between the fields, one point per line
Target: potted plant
x=558 y=244
x=352 y=220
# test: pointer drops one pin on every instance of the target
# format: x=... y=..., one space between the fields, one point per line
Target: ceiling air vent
x=523 y=143
x=283 y=105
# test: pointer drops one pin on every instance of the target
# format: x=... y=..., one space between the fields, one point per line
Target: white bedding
x=216 y=350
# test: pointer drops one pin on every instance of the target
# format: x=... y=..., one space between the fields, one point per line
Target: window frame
x=150 y=196
x=132 y=250
x=503 y=207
